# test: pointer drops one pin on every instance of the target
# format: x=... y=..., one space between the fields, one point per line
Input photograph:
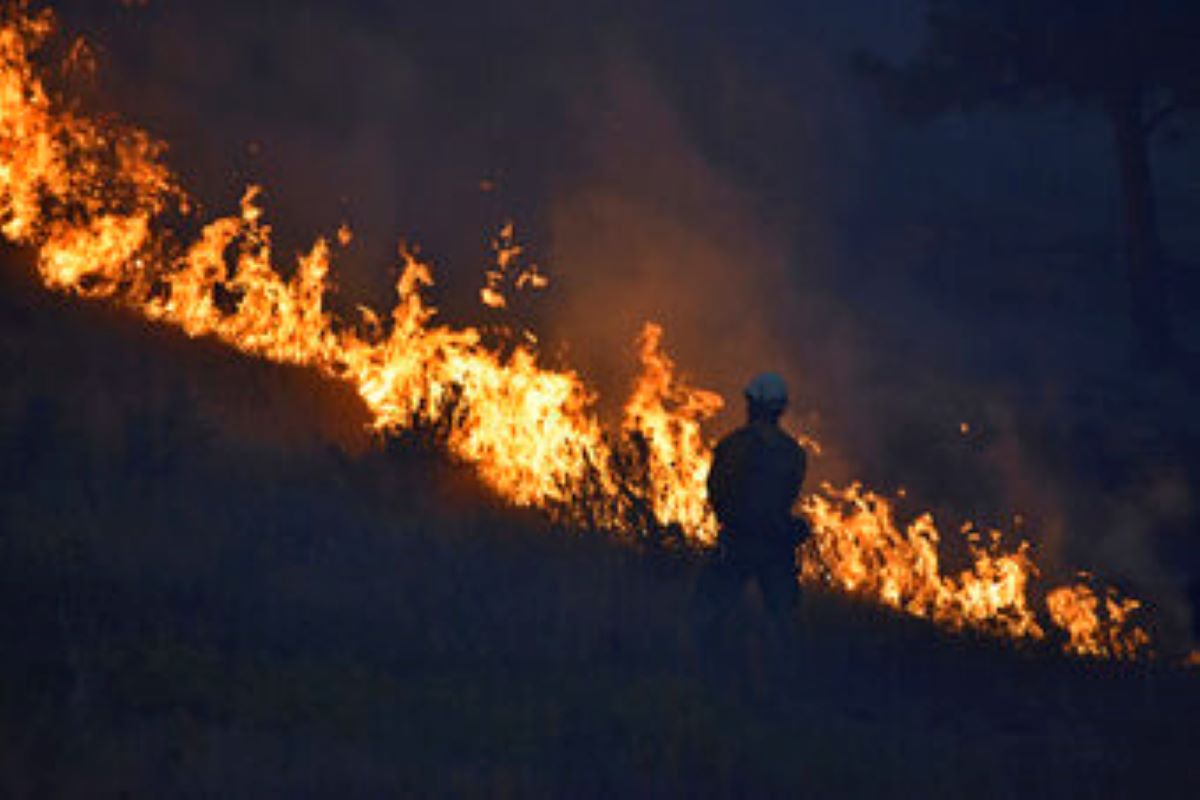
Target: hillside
x=215 y=584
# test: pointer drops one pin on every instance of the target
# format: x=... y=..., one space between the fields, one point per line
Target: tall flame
x=95 y=201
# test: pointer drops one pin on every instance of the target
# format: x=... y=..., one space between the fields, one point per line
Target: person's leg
x=716 y=602
x=762 y=638
x=781 y=597
x=719 y=586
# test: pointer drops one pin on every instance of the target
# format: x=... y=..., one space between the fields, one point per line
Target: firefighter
x=754 y=480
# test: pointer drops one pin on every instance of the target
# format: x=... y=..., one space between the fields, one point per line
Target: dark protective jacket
x=753 y=483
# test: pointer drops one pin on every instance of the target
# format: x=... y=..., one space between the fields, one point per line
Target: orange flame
x=1077 y=610
x=93 y=201
x=858 y=546
x=507 y=252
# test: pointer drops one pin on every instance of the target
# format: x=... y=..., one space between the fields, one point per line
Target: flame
x=858 y=545
x=1077 y=610
x=95 y=202
x=507 y=252
x=665 y=415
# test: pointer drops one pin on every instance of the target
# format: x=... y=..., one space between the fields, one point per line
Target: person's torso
x=764 y=467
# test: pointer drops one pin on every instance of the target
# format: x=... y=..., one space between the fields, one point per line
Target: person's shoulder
x=786 y=440
x=734 y=435
x=735 y=439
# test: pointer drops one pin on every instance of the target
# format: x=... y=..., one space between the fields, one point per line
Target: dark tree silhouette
x=1135 y=61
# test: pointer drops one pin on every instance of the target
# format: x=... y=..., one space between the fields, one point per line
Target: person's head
x=766 y=397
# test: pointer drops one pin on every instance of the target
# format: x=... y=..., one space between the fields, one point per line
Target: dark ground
x=212 y=586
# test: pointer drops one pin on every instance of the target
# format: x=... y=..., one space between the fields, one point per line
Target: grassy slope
x=211 y=587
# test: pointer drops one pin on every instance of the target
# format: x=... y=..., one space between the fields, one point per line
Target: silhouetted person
x=755 y=478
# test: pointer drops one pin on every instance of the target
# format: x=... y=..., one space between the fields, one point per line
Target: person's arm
x=799 y=471
x=801 y=529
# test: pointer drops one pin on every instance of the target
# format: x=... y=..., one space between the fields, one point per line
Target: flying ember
x=96 y=202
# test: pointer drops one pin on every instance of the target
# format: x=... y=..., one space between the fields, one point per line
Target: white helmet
x=768 y=390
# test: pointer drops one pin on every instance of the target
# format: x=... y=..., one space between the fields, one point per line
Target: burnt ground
x=213 y=585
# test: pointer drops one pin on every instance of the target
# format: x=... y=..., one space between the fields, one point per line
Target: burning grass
x=193 y=612
x=107 y=219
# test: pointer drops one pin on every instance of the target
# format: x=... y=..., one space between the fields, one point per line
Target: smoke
x=343 y=114
x=392 y=122
x=693 y=178
x=711 y=177
x=648 y=230
x=647 y=226
x=1160 y=509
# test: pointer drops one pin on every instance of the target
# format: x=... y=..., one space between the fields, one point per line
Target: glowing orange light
x=90 y=199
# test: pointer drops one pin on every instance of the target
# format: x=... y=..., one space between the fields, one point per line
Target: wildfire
x=1077 y=610
x=858 y=545
x=95 y=202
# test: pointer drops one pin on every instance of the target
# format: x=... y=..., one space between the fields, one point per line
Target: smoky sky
x=672 y=162
x=714 y=166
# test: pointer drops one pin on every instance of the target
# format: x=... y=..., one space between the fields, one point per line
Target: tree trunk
x=1153 y=334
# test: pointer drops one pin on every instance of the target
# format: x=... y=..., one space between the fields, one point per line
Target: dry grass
x=199 y=605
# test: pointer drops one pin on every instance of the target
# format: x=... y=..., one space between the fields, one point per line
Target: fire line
x=95 y=199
